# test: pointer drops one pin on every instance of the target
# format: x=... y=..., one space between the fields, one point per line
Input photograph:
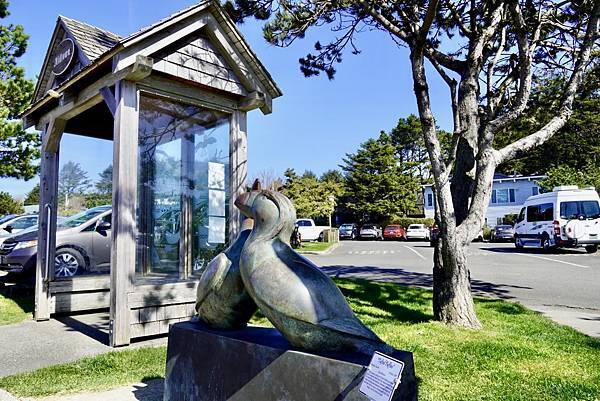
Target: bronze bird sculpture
x=222 y=301
x=301 y=301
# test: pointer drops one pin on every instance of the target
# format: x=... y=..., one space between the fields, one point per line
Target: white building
x=508 y=195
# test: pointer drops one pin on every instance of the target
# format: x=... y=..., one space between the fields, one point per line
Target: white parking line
x=552 y=260
x=415 y=252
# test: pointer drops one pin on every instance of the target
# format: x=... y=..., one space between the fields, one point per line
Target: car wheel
x=546 y=246
x=68 y=262
x=591 y=248
x=518 y=242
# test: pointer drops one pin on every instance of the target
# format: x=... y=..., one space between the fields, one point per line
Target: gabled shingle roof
x=93 y=41
x=97 y=44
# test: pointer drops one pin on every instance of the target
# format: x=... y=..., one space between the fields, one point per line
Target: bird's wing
x=213 y=277
x=294 y=286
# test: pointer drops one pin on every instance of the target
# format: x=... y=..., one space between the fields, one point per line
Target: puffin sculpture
x=222 y=301
x=301 y=301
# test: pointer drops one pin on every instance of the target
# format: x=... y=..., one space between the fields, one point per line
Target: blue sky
x=312 y=126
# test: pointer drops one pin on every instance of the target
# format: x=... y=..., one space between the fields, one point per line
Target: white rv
x=567 y=217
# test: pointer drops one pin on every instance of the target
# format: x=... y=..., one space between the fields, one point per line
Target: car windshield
x=415 y=226
x=346 y=226
x=82 y=217
x=368 y=227
x=503 y=227
x=587 y=209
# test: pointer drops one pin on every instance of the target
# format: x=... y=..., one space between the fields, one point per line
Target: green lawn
x=15 y=310
x=314 y=246
x=519 y=355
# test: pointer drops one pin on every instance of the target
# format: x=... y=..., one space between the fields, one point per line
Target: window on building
x=183 y=190
x=429 y=200
x=505 y=195
x=535 y=190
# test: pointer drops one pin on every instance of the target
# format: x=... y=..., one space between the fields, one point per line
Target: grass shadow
x=403 y=303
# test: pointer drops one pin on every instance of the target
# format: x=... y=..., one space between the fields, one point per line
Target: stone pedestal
x=258 y=364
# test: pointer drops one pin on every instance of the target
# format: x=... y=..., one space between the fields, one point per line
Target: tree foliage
x=311 y=197
x=104 y=184
x=577 y=144
x=568 y=175
x=97 y=199
x=18 y=148
x=73 y=180
x=33 y=196
x=8 y=205
x=379 y=185
x=407 y=138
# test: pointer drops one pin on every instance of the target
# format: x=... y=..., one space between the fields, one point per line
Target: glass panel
x=502 y=196
x=183 y=188
x=546 y=212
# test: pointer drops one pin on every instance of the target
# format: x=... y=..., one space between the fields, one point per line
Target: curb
x=5 y=396
x=325 y=252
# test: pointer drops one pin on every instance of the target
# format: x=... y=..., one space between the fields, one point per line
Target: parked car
x=14 y=224
x=394 y=232
x=348 y=231
x=434 y=235
x=309 y=231
x=503 y=233
x=371 y=231
x=82 y=245
x=567 y=217
x=417 y=231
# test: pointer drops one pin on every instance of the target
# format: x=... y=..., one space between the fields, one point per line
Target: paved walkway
x=150 y=391
x=31 y=345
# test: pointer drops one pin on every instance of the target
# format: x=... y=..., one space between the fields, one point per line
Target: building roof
x=499 y=177
x=98 y=44
x=93 y=41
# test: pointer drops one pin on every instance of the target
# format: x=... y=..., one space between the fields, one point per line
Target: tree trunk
x=452 y=299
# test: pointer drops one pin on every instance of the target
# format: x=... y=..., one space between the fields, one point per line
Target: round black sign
x=63 y=56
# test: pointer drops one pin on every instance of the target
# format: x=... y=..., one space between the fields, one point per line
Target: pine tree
x=104 y=184
x=33 y=197
x=72 y=180
x=18 y=148
x=379 y=185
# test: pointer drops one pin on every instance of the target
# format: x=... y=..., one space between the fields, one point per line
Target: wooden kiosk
x=173 y=98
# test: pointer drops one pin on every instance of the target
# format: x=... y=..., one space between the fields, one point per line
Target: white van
x=567 y=217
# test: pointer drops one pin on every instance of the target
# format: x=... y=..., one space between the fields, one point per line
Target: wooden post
x=186 y=219
x=48 y=208
x=238 y=165
x=123 y=250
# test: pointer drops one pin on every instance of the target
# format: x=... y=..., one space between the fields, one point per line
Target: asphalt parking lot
x=565 y=284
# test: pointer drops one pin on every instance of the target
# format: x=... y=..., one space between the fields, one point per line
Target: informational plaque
x=216 y=230
x=216 y=175
x=216 y=203
x=382 y=377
